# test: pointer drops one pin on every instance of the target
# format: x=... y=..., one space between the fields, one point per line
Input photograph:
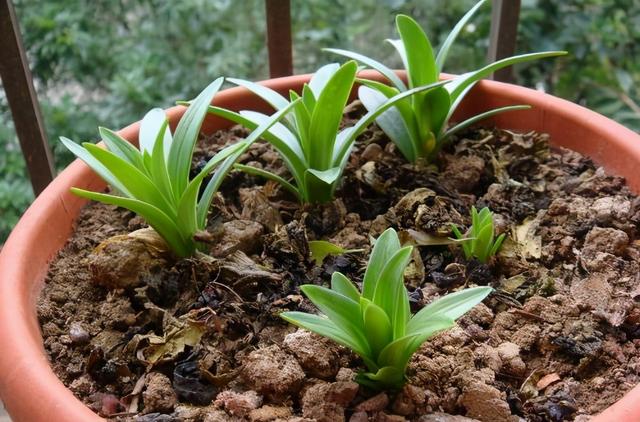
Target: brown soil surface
x=139 y=336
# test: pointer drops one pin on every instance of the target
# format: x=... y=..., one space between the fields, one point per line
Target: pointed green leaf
x=473 y=120
x=276 y=100
x=318 y=186
x=121 y=147
x=377 y=327
x=344 y=286
x=344 y=312
x=384 y=70
x=390 y=280
x=497 y=244
x=451 y=306
x=135 y=181
x=308 y=98
x=352 y=132
x=327 y=176
x=325 y=327
x=484 y=242
x=388 y=377
x=187 y=132
x=152 y=124
x=448 y=42
x=302 y=118
x=401 y=311
x=321 y=78
x=392 y=122
x=421 y=64
x=327 y=115
x=385 y=247
x=460 y=83
x=399 y=352
x=158 y=167
x=95 y=165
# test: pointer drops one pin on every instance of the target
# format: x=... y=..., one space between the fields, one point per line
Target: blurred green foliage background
x=106 y=62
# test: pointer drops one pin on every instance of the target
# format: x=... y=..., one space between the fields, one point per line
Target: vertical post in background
x=504 y=33
x=279 y=41
x=18 y=86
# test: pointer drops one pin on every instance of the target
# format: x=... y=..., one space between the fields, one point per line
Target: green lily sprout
x=419 y=125
x=308 y=139
x=153 y=181
x=376 y=323
x=480 y=242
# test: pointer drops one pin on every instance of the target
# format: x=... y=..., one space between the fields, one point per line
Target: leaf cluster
x=153 y=180
x=419 y=125
x=479 y=241
x=376 y=323
x=308 y=139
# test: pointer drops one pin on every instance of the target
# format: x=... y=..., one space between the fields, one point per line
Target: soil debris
x=139 y=335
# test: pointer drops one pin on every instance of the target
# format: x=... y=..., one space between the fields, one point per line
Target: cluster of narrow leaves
x=480 y=242
x=153 y=181
x=376 y=323
x=419 y=125
x=309 y=140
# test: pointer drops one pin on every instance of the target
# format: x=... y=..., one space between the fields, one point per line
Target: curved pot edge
x=23 y=364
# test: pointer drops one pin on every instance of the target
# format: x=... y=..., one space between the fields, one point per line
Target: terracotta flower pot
x=32 y=392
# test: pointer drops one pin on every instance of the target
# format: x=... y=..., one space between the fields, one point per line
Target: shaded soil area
x=140 y=336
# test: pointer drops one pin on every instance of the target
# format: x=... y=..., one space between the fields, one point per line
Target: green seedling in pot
x=480 y=242
x=309 y=140
x=420 y=125
x=376 y=323
x=153 y=180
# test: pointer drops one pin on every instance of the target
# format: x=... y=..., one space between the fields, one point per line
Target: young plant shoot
x=153 y=180
x=376 y=323
x=419 y=125
x=480 y=242
x=308 y=139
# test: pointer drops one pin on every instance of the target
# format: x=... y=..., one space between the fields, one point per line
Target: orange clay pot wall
x=31 y=391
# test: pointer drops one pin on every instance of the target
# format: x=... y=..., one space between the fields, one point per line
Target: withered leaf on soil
x=511 y=284
x=419 y=238
x=187 y=330
x=523 y=242
x=525 y=234
x=547 y=380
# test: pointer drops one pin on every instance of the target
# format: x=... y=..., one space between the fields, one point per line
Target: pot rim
x=35 y=240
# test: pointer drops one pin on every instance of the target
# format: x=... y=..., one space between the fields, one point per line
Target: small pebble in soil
x=374 y=404
x=326 y=402
x=272 y=372
x=270 y=413
x=159 y=396
x=238 y=404
x=317 y=355
x=444 y=417
x=78 y=334
x=110 y=405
